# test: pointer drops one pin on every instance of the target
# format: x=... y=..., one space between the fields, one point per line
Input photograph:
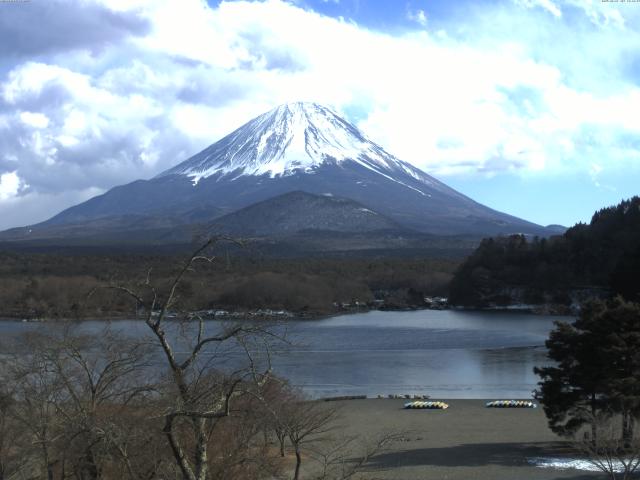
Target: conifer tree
x=597 y=368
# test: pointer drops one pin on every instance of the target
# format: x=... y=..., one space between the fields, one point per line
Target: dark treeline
x=599 y=258
x=56 y=285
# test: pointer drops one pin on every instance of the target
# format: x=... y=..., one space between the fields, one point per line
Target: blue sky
x=527 y=106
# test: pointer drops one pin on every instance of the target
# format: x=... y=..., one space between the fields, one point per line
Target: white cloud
x=547 y=5
x=595 y=171
x=600 y=12
x=10 y=185
x=417 y=88
x=35 y=120
x=87 y=127
x=418 y=16
x=30 y=78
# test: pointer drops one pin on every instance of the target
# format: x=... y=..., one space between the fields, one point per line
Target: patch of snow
x=366 y=210
x=292 y=138
x=263 y=142
x=568 y=464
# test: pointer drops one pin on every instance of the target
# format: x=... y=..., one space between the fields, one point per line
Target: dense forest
x=601 y=258
x=56 y=286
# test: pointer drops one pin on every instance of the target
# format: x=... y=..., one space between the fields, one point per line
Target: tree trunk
x=282 y=437
x=63 y=466
x=88 y=468
x=594 y=430
x=48 y=465
x=176 y=449
x=202 y=466
x=296 y=474
x=627 y=428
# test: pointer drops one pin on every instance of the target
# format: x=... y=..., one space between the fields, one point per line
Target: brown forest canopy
x=47 y=285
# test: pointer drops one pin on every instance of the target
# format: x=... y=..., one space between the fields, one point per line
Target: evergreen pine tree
x=597 y=368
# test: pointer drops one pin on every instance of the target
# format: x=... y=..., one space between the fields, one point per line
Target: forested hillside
x=56 y=285
x=599 y=258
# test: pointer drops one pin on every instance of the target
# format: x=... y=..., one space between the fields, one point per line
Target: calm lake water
x=445 y=354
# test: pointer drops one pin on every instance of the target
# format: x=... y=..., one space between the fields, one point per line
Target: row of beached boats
x=511 y=404
x=429 y=405
x=435 y=405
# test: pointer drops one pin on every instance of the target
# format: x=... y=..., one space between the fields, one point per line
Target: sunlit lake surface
x=445 y=354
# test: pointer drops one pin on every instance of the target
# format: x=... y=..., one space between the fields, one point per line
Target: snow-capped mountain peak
x=298 y=147
x=294 y=137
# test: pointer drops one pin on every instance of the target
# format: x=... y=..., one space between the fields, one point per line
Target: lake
x=442 y=353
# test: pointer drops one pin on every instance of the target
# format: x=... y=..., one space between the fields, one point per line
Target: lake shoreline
x=541 y=310
x=232 y=316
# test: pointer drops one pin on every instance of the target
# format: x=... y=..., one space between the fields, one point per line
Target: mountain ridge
x=294 y=147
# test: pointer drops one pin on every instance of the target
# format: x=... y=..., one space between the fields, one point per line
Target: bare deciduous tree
x=307 y=422
x=70 y=392
x=199 y=399
x=12 y=438
x=345 y=458
x=613 y=453
x=36 y=391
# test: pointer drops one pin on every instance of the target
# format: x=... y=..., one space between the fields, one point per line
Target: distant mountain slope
x=556 y=229
x=295 y=147
x=295 y=212
x=603 y=256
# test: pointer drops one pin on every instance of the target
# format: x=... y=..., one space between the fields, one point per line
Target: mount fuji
x=297 y=147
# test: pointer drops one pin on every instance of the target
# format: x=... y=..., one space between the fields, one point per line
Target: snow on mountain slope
x=292 y=138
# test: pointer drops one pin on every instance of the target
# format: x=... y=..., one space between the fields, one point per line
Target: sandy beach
x=467 y=441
